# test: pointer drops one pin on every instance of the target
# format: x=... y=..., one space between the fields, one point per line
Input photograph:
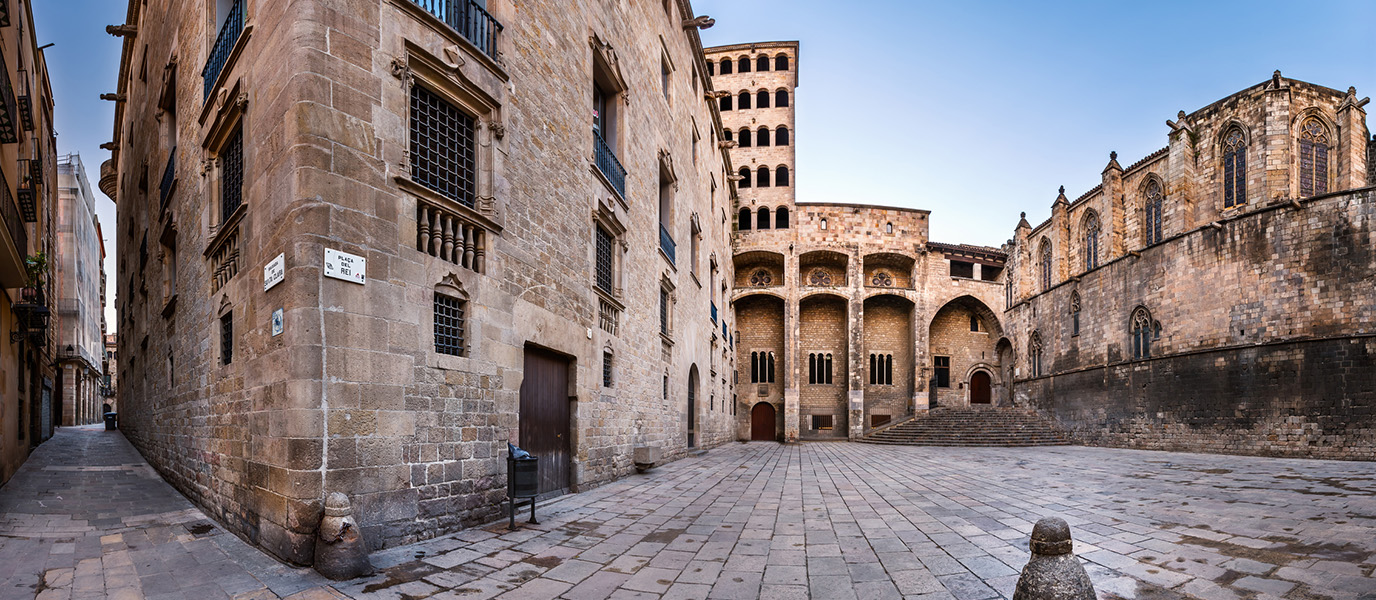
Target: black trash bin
x=110 y=424
x=522 y=482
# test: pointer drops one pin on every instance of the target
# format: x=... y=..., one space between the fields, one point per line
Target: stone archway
x=763 y=423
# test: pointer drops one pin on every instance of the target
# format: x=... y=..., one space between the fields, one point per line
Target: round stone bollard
x=1053 y=573
x=340 y=552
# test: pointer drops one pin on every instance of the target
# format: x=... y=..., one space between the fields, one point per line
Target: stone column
x=1352 y=146
x=792 y=355
x=855 y=347
x=1275 y=145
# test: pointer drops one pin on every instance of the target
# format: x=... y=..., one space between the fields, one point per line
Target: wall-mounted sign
x=276 y=322
x=342 y=265
x=274 y=272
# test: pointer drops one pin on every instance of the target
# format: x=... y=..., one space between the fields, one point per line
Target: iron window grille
x=443 y=154
x=232 y=179
x=224 y=44
x=604 y=260
x=449 y=321
x=607 y=369
x=663 y=311
x=227 y=338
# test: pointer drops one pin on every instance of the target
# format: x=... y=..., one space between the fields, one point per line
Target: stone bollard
x=340 y=552
x=1053 y=573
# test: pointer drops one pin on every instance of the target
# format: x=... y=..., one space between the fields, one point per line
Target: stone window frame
x=785 y=58
x=1035 y=348
x=1326 y=129
x=1046 y=261
x=1153 y=191
x=608 y=218
x=784 y=94
x=225 y=329
x=455 y=284
x=608 y=367
x=763 y=98
x=781 y=217
x=1143 y=331
x=667 y=300
x=786 y=134
x=1074 y=313
x=937 y=369
x=1234 y=182
x=1091 y=230
x=881 y=368
x=694 y=246
x=820 y=368
x=745 y=100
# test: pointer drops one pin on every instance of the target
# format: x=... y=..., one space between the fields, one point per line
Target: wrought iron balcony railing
x=607 y=163
x=9 y=110
x=469 y=19
x=666 y=243
x=224 y=44
x=13 y=223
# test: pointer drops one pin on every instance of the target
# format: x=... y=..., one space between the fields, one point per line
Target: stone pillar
x=855 y=347
x=1114 y=222
x=1178 y=207
x=792 y=354
x=1059 y=232
x=1352 y=145
x=1275 y=145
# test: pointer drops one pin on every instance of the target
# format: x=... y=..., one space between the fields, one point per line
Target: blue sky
x=973 y=110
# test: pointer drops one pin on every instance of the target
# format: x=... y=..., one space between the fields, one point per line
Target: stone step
x=973 y=427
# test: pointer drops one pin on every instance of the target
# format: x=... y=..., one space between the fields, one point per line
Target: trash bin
x=522 y=481
x=110 y=421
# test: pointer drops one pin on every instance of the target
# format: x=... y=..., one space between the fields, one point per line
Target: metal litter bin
x=522 y=482
x=110 y=424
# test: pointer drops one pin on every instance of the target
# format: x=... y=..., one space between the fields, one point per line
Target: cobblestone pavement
x=821 y=520
x=86 y=517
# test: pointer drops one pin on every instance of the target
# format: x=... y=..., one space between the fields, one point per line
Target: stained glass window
x=1153 y=209
x=1234 y=169
x=1313 y=158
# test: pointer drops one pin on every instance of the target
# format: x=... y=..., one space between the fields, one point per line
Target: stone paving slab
x=757 y=520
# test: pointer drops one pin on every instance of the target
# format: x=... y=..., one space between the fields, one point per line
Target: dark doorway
x=979 y=388
x=544 y=429
x=692 y=406
x=762 y=423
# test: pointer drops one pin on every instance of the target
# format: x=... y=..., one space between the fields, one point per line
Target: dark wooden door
x=545 y=416
x=979 y=388
x=762 y=423
x=692 y=407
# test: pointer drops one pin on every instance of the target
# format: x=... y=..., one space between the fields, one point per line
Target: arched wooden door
x=979 y=388
x=762 y=423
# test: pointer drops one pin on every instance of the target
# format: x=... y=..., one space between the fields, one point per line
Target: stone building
x=371 y=243
x=28 y=174
x=1215 y=295
x=110 y=366
x=78 y=275
x=847 y=314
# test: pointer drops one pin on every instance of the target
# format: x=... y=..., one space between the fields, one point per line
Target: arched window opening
x=762 y=177
x=1142 y=333
x=812 y=368
x=754 y=367
x=1034 y=355
x=725 y=102
x=771 y=368
x=781 y=62
x=781 y=176
x=743 y=65
x=1234 y=168
x=762 y=63
x=762 y=99
x=781 y=218
x=781 y=99
x=781 y=136
x=1075 y=313
x=1046 y=264
x=711 y=68
x=744 y=140
x=827 y=371
x=1091 y=241
x=762 y=218
x=762 y=137
x=888 y=228
x=824 y=224
x=1313 y=158
x=1153 y=210
x=727 y=135
x=743 y=100
x=726 y=66
x=745 y=178
x=743 y=222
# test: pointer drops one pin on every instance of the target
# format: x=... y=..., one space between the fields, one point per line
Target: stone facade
x=78 y=279
x=1241 y=329
x=303 y=143
x=843 y=298
x=28 y=213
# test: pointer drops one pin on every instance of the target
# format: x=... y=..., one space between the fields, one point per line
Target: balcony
x=448 y=235
x=9 y=110
x=31 y=314
x=25 y=105
x=607 y=163
x=467 y=18
x=13 y=264
x=666 y=244
x=224 y=45
x=169 y=177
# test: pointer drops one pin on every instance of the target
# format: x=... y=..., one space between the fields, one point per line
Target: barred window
x=227 y=338
x=443 y=155
x=449 y=322
x=664 y=311
x=1234 y=169
x=606 y=369
x=1313 y=158
x=604 y=260
x=232 y=175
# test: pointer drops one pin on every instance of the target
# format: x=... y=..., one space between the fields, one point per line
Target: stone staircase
x=973 y=427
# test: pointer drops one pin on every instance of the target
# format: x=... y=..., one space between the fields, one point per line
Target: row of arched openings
x=760 y=137
x=819 y=368
x=762 y=177
x=762 y=63
x=881 y=369
x=762 y=218
x=745 y=99
x=761 y=367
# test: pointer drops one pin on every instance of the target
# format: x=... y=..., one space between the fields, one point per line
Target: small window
x=727 y=135
x=725 y=102
x=888 y=228
x=781 y=215
x=781 y=62
x=227 y=338
x=762 y=137
x=819 y=368
x=1034 y=354
x=781 y=99
x=762 y=99
x=824 y=224
x=664 y=77
x=881 y=369
x=1075 y=313
x=745 y=138
x=663 y=311
x=762 y=63
x=941 y=366
x=762 y=218
x=604 y=260
x=743 y=100
x=974 y=323
x=726 y=66
x=743 y=223
x=711 y=68
x=745 y=178
x=960 y=268
x=781 y=136
x=606 y=368
x=821 y=422
x=762 y=177
x=665 y=393
x=781 y=176
x=743 y=64
x=449 y=325
x=1143 y=332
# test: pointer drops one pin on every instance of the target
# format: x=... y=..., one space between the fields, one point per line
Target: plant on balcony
x=36 y=265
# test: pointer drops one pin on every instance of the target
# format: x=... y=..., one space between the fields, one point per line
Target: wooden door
x=762 y=423
x=979 y=388
x=692 y=407
x=544 y=428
